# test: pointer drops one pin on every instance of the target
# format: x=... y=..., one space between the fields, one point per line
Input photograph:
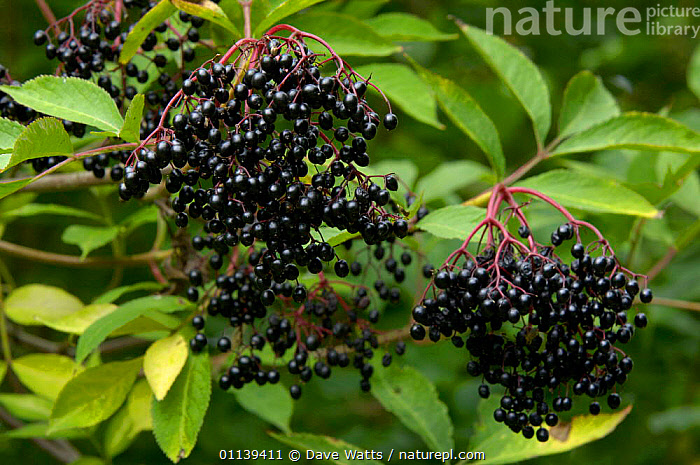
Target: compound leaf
x=69 y=98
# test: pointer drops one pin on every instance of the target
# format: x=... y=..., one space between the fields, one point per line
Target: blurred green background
x=646 y=73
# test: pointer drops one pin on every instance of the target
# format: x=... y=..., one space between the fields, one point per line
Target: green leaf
x=178 y=418
x=468 y=116
x=404 y=88
x=9 y=132
x=85 y=460
x=590 y=193
x=69 y=98
x=408 y=394
x=10 y=187
x=633 y=130
x=586 y=103
x=405 y=170
x=271 y=402
x=99 y=330
x=149 y=322
x=89 y=238
x=94 y=395
x=45 y=374
x=35 y=303
x=26 y=406
x=131 y=129
x=162 y=363
x=347 y=35
x=143 y=27
x=500 y=445
x=45 y=137
x=345 y=453
x=132 y=418
x=281 y=11
x=694 y=72
x=78 y=321
x=449 y=177
x=406 y=27
x=3 y=370
x=114 y=294
x=40 y=430
x=333 y=236
x=518 y=73
x=208 y=10
x=453 y=222
x=43 y=209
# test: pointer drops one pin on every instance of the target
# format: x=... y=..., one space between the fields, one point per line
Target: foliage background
x=644 y=72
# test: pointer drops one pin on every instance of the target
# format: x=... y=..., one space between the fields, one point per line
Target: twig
x=66 y=182
x=60 y=449
x=661 y=264
x=245 y=5
x=684 y=304
x=47 y=14
x=35 y=341
x=72 y=261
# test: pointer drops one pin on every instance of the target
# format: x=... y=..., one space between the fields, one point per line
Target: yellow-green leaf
x=77 y=322
x=94 y=395
x=282 y=10
x=586 y=102
x=34 y=304
x=452 y=222
x=130 y=131
x=26 y=406
x=694 y=72
x=406 y=27
x=346 y=453
x=500 y=445
x=143 y=27
x=9 y=132
x=45 y=374
x=132 y=418
x=45 y=137
x=163 y=363
x=208 y=10
x=40 y=430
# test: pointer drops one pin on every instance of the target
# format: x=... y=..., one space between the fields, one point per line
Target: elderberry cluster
x=267 y=155
x=570 y=320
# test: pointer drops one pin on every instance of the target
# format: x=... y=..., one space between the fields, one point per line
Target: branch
x=72 y=261
x=245 y=5
x=695 y=306
x=663 y=263
x=66 y=182
x=47 y=14
x=60 y=449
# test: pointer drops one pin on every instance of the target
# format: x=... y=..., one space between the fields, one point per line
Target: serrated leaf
x=347 y=35
x=271 y=402
x=452 y=222
x=132 y=418
x=26 y=406
x=35 y=303
x=94 y=395
x=10 y=187
x=9 y=132
x=69 y=98
x=284 y=9
x=99 y=330
x=43 y=209
x=468 y=116
x=448 y=178
x=500 y=445
x=346 y=453
x=208 y=10
x=114 y=294
x=408 y=394
x=45 y=374
x=89 y=238
x=405 y=89
x=163 y=362
x=39 y=430
x=78 y=321
x=518 y=73
x=152 y=19
x=406 y=27
x=131 y=129
x=586 y=103
x=633 y=130
x=178 y=418
x=590 y=193
x=45 y=137
x=694 y=72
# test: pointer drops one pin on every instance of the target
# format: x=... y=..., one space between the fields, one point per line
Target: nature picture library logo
x=659 y=20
